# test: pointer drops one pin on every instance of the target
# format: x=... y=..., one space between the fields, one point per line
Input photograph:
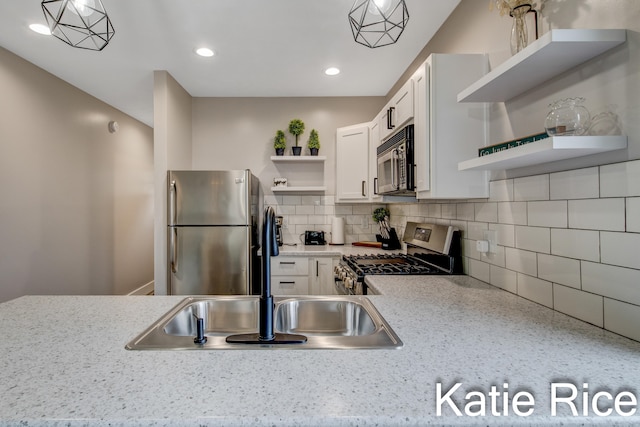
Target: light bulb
x=378 y=7
x=81 y=7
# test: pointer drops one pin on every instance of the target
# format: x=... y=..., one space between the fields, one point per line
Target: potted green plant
x=296 y=128
x=279 y=143
x=314 y=142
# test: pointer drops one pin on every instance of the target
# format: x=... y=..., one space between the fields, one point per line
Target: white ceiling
x=264 y=48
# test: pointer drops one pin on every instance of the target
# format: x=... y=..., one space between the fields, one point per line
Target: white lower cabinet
x=301 y=275
x=321 y=275
x=289 y=275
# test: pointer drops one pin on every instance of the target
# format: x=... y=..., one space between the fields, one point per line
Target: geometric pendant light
x=376 y=23
x=79 y=23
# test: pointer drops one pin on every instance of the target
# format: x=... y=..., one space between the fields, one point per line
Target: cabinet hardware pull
x=287 y=262
x=390 y=117
x=290 y=284
x=364 y=183
x=375 y=185
x=317 y=268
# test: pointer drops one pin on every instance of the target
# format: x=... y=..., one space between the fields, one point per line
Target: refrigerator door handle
x=174 y=250
x=172 y=203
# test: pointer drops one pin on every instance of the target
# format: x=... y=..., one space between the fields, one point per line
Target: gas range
x=431 y=249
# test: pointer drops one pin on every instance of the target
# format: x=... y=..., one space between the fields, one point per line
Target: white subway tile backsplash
x=531 y=188
x=286 y=209
x=565 y=271
x=633 y=214
x=622 y=318
x=597 y=214
x=305 y=210
x=310 y=200
x=495 y=258
x=298 y=219
x=475 y=230
x=479 y=270
x=501 y=191
x=579 y=304
x=547 y=214
x=343 y=209
x=324 y=210
x=536 y=239
x=575 y=184
x=487 y=212
x=620 y=179
x=521 y=261
x=363 y=209
x=291 y=200
x=503 y=278
x=512 y=213
x=327 y=200
x=449 y=211
x=535 y=289
x=505 y=234
x=611 y=281
x=270 y=200
x=465 y=211
x=620 y=249
x=580 y=244
x=434 y=210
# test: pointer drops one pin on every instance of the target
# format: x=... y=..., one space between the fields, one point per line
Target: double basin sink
x=331 y=322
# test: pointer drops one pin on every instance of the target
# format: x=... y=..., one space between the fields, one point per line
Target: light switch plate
x=491 y=236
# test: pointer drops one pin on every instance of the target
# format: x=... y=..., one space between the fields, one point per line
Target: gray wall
x=76 y=205
x=237 y=133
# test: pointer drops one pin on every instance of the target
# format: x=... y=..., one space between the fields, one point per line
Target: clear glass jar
x=567 y=117
x=519 y=32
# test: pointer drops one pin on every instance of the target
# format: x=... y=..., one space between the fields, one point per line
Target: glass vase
x=567 y=117
x=519 y=32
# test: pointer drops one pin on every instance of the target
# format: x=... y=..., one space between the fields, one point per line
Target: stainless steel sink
x=328 y=322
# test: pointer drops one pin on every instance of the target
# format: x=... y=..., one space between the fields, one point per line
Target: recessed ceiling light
x=203 y=51
x=40 y=29
x=332 y=71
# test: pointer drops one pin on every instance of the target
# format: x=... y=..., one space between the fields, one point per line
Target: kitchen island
x=469 y=348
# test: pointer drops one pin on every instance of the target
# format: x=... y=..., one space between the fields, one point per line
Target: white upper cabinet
x=352 y=163
x=448 y=132
x=398 y=111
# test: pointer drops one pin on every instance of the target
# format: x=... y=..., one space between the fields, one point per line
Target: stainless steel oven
x=431 y=249
x=396 y=167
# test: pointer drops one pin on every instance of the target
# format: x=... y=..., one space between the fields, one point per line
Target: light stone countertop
x=63 y=363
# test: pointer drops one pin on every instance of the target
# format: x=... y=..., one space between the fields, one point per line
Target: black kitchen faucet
x=266 y=334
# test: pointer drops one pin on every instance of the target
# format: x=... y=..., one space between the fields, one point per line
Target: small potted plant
x=296 y=128
x=314 y=142
x=279 y=143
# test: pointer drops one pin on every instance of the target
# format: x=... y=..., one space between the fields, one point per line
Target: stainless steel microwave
x=396 y=167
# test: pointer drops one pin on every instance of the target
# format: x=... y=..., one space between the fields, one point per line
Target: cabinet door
x=290 y=285
x=352 y=163
x=402 y=104
x=289 y=266
x=421 y=128
x=398 y=111
x=453 y=131
x=321 y=281
x=374 y=141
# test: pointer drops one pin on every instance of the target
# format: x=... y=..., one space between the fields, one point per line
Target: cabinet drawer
x=289 y=266
x=290 y=285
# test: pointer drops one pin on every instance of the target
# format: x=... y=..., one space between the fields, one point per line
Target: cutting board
x=368 y=244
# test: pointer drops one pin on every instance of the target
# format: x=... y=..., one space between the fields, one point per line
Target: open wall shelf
x=552 y=54
x=298 y=159
x=546 y=150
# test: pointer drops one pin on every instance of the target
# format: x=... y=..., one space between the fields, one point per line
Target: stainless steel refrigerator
x=213 y=219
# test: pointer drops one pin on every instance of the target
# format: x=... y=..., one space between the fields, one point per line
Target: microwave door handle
x=394 y=169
